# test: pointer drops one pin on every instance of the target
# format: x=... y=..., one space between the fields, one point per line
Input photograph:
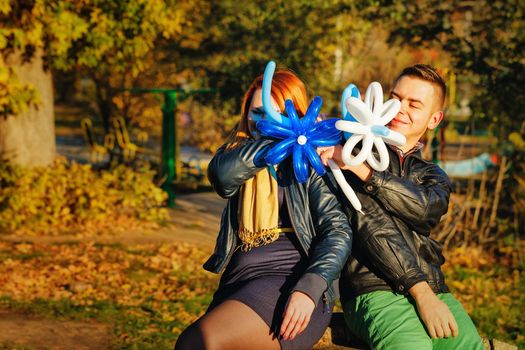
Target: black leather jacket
x=392 y=249
x=316 y=215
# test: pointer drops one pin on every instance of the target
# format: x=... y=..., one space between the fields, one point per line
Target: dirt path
x=196 y=220
x=38 y=333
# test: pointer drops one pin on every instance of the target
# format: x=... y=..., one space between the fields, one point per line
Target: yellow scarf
x=259 y=211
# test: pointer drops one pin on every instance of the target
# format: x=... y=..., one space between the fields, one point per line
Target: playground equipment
x=129 y=149
x=97 y=151
x=170 y=146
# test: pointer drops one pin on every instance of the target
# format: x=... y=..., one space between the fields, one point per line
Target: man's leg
x=468 y=337
x=386 y=320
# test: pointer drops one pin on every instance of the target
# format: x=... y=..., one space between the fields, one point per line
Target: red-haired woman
x=281 y=244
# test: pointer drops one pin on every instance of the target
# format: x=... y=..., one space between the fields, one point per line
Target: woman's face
x=256 y=112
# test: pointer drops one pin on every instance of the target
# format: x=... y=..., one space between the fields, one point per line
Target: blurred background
x=111 y=110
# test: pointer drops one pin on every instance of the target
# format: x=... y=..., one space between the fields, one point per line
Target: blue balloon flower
x=300 y=138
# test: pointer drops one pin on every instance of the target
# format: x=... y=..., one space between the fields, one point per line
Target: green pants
x=385 y=320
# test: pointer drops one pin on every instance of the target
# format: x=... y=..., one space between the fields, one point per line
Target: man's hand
x=331 y=152
x=362 y=171
x=296 y=315
x=436 y=316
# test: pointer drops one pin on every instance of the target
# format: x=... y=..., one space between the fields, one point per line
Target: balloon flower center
x=302 y=140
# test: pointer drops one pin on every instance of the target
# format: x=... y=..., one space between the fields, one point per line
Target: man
x=393 y=290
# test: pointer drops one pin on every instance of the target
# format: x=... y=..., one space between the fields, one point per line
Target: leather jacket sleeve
x=419 y=203
x=389 y=252
x=333 y=242
x=227 y=171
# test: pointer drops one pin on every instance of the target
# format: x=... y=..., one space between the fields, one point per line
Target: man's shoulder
x=421 y=165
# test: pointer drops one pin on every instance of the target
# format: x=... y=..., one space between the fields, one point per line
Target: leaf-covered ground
x=491 y=287
x=147 y=294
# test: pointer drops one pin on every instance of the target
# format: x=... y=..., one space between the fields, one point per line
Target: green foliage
x=486 y=40
x=239 y=38
x=96 y=38
x=55 y=197
x=327 y=43
x=15 y=96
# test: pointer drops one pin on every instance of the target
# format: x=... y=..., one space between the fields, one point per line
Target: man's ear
x=435 y=119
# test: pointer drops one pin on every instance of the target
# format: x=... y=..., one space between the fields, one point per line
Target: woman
x=281 y=244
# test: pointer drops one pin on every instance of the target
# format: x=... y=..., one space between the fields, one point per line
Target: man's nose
x=403 y=108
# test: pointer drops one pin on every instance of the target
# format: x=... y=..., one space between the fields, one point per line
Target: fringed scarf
x=259 y=211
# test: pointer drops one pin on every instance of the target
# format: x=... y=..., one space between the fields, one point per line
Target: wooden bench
x=337 y=337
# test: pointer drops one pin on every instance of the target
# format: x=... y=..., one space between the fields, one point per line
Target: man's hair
x=426 y=73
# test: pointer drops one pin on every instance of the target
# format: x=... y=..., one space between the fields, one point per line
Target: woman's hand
x=296 y=315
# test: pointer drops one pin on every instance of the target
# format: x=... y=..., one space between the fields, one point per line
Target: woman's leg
x=230 y=325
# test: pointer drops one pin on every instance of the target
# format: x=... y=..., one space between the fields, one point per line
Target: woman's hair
x=285 y=85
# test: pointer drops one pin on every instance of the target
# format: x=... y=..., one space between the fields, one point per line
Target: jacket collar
x=402 y=155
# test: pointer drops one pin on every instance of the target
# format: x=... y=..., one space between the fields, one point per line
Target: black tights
x=229 y=326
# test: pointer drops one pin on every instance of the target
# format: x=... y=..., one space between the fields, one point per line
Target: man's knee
x=468 y=339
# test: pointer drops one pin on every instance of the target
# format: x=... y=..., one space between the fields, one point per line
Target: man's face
x=419 y=108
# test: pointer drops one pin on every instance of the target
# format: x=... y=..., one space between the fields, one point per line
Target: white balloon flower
x=372 y=117
x=369 y=126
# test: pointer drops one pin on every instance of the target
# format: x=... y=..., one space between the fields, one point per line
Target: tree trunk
x=29 y=138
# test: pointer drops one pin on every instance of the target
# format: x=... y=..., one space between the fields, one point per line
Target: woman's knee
x=199 y=336
x=191 y=338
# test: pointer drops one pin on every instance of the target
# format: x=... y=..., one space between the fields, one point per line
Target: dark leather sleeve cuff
x=259 y=160
x=312 y=285
x=408 y=280
x=374 y=182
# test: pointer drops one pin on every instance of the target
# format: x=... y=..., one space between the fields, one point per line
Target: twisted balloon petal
x=294 y=118
x=374 y=99
x=271 y=113
x=360 y=111
x=300 y=165
x=395 y=139
x=327 y=125
x=314 y=159
x=267 y=128
x=279 y=152
x=348 y=158
x=352 y=127
x=390 y=109
x=311 y=113
x=382 y=163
